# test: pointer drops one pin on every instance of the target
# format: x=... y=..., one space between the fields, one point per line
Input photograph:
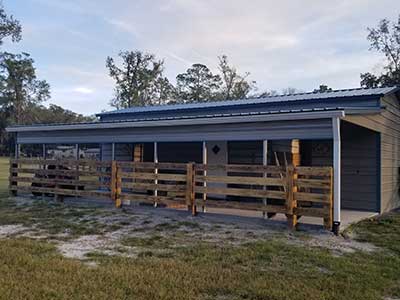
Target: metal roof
x=189 y=119
x=347 y=93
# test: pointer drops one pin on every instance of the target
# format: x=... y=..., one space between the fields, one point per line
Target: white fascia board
x=186 y=122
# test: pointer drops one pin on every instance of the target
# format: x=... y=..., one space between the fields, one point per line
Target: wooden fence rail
x=293 y=191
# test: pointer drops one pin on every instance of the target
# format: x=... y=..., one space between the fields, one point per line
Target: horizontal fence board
x=152 y=199
x=151 y=165
x=313 y=171
x=241 y=180
x=172 y=177
x=240 y=192
x=96 y=183
x=60 y=172
x=312 y=197
x=65 y=192
x=152 y=186
x=241 y=168
x=64 y=162
x=313 y=183
x=242 y=205
x=312 y=212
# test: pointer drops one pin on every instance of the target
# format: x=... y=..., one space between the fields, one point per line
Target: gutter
x=185 y=122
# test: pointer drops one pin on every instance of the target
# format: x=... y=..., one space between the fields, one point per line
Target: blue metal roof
x=359 y=92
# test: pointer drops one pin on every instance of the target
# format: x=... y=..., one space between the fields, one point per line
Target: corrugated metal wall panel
x=301 y=129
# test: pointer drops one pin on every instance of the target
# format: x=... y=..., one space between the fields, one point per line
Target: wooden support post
x=190 y=195
x=113 y=181
x=118 y=188
x=328 y=220
x=13 y=184
x=290 y=204
x=58 y=175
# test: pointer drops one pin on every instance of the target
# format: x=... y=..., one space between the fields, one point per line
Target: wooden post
x=113 y=182
x=58 y=172
x=290 y=204
x=118 y=187
x=13 y=184
x=328 y=220
x=190 y=201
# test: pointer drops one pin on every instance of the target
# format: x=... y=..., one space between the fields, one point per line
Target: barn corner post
x=336 y=175
x=290 y=204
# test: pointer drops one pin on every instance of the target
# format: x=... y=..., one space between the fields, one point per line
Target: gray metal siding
x=359 y=165
x=301 y=129
x=388 y=124
x=359 y=168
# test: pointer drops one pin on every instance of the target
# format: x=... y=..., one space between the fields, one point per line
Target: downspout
x=336 y=175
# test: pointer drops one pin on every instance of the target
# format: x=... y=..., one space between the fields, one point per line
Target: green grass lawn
x=266 y=269
x=4 y=172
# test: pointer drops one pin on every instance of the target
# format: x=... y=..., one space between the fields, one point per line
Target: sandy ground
x=177 y=228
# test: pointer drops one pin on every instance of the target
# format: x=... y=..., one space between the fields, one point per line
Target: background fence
x=293 y=191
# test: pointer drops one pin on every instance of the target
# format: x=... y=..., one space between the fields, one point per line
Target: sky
x=284 y=43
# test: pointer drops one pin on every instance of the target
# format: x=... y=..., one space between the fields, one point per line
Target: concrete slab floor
x=348 y=216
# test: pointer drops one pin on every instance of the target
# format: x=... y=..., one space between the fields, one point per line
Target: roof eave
x=187 y=122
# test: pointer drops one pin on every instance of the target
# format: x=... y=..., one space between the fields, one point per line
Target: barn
x=356 y=131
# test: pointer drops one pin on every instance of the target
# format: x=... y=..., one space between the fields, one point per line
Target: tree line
x=22 y=94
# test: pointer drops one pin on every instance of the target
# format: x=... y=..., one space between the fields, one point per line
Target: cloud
x=83 y=90
x=281 y=43
x=124 y=26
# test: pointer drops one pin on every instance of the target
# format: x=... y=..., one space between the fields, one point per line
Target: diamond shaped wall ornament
x=215 y=149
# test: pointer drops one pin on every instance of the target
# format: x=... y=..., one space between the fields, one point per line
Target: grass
x=4 y=172
x=270 y=269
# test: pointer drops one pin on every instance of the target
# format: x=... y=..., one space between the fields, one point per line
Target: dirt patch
x=338 y=245
x=9 y=230
x=82 y=232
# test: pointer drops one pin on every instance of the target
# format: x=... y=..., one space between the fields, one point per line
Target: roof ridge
x=237 y=101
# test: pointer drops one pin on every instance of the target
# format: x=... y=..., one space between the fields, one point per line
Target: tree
x=9 y=27
x=385 y=39
x=135 y=79
x=40 y=114
x=234 y=86
x=163 y=92
x=197 y=84
x=323 y=89
x=19 y=86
